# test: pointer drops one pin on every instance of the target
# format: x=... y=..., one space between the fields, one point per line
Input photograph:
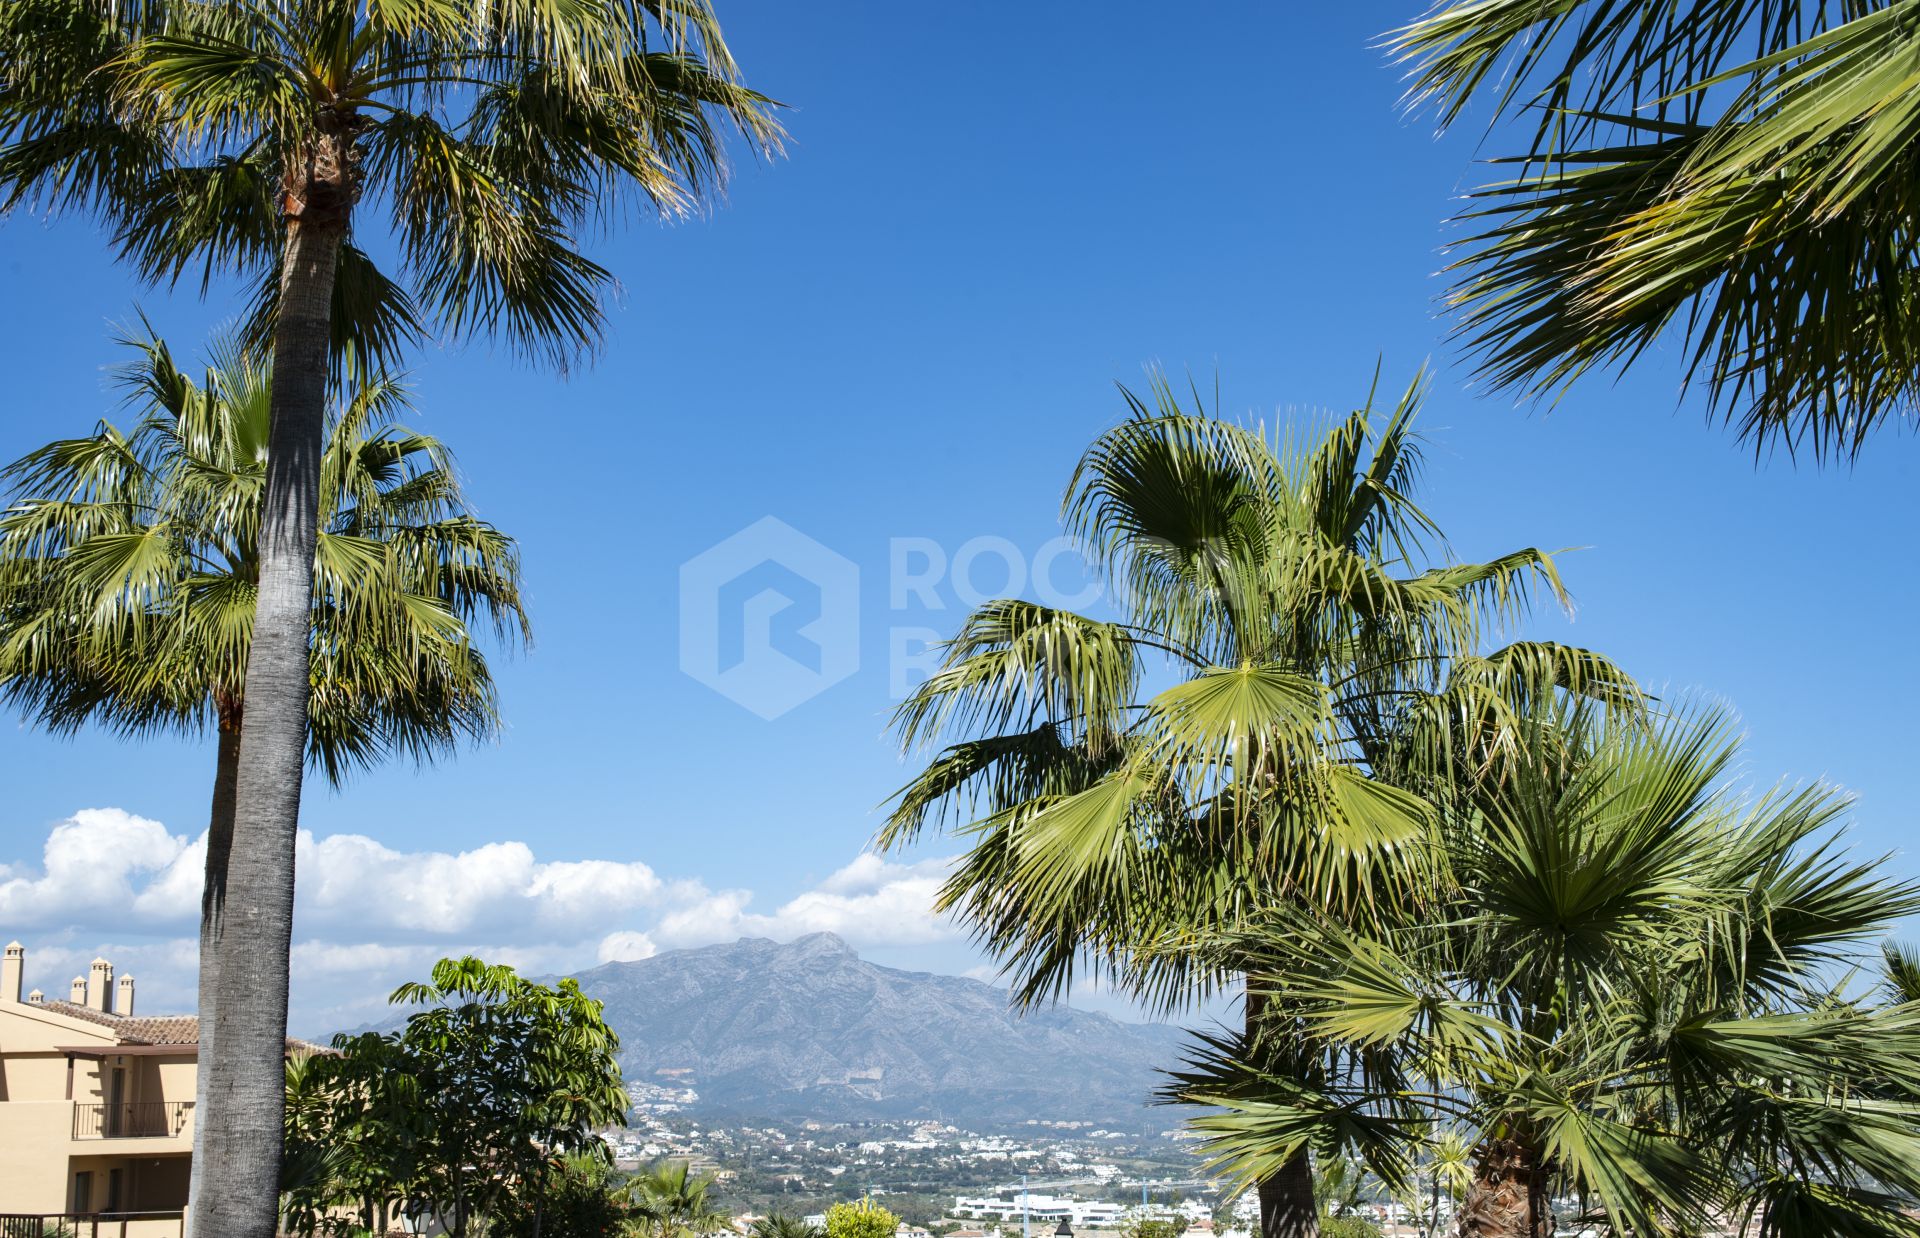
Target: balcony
x=93 y=1224
x=159 y=1119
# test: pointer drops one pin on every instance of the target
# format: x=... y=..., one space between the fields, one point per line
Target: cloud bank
x=368 y=915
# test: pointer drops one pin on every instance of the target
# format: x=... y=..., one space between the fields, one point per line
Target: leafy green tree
x=483 y=1107
x=1628 y=984
x=509 y=1075
x=244 y=137
x=1736 y=172
x=1284 y=605
x=356 y=1139
x=670 y=1201
x=861 y=1219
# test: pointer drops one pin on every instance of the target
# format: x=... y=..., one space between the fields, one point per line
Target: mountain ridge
x=808 y=1028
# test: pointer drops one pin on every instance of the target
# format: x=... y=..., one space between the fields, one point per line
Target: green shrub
x=865 y=1219
x=579 y=1202
x=1139 y=1228
x=1348 y=1227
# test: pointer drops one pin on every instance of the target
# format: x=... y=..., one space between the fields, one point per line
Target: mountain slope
x=810 y=1029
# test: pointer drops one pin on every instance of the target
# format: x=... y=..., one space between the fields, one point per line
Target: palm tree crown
x=670 y=1202
x=487 y=137
x=1625 y=982
x=1287 y=593
x=129 y=564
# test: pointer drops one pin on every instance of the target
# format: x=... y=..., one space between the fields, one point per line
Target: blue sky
x=909 y=328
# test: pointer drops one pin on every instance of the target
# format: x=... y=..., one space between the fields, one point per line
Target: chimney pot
x=12 y=970
x=100 y=986
x=36 y=997
x=79 y=997
x=123 y=999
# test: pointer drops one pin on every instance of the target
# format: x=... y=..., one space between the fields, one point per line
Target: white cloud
x=870 y=902
x=626 y=946
x=352 y=879
x=369 y=915
x=98 y=860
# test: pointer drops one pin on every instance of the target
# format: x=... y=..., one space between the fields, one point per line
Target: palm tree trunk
x=236 y=1182
x=226 y=772
x=1287 y=1205
x=1508 y=1195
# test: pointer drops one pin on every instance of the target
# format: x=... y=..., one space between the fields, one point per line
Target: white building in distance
x=1039 y=1209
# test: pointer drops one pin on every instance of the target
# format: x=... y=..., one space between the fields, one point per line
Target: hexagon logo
x=769 y=618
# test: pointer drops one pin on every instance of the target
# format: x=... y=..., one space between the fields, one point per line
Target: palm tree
x=242 y=136
x=129 y=560
x=1902 y=964
x=1629 y=985
x=1285 y=598
x=783 y=1225
x=1736 y=171
x=129 y=568
x=671 y=1203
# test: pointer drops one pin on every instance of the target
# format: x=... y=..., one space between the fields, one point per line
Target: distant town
x=945 y=1181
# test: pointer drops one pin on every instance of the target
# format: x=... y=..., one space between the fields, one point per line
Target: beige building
x=96 y=1104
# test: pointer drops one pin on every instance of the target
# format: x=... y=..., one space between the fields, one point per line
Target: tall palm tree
x=1628 y=983
x=244 y=136
x=1284 y=598
x=129 y=569
x=1736 y=171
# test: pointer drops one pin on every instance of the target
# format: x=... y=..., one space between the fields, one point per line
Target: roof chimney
x=79 y=994
x=100 y=986
x=123 y=997
x=11 y=971
x=36 y=997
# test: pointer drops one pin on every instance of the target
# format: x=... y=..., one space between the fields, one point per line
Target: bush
x=579 y=1202
x=1156 y=1229
x=865 y=1219
x=1348 y=1227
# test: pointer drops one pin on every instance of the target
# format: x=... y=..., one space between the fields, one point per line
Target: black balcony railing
x=89 y=1224
x=154 y=1119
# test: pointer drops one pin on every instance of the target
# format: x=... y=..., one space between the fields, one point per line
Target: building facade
x=96 y=1103
x=1039 y=1211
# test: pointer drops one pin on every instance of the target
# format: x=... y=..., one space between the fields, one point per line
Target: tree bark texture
x=213 y=896
x=236 y=1177
x=1287 y=1205
x=1508 y=1195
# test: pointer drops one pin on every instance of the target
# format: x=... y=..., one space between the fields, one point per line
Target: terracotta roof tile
x=170 y=1029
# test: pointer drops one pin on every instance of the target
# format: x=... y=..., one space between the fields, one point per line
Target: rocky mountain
x=811 y=1029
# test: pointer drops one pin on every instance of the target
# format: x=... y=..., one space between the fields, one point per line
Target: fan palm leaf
x=1733 y=171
